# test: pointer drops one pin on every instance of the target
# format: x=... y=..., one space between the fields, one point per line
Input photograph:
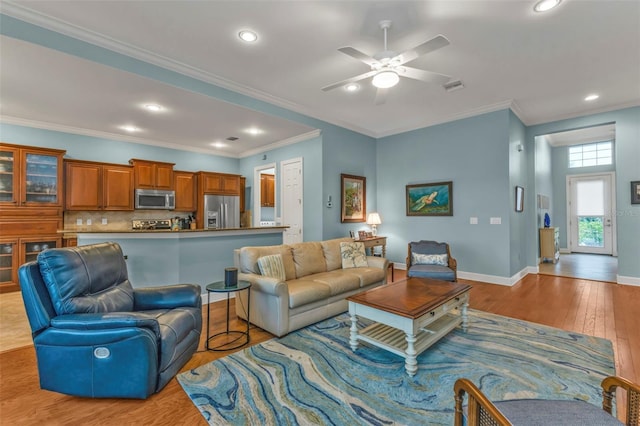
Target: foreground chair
x=96 y=336
x=482 y=412
x=431 y=259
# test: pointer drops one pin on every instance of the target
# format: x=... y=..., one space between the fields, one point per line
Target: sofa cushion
x=303 y=291
x=337 y=281
x=367 y=276
x=429 y=259
x=249 y=259
x=332 y=255
x=308 y=258
x=87 y=280
x=353 y=255
x=272 y=266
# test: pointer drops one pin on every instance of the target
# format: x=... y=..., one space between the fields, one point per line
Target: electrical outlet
x=88 y=222
x=104 y=220
x=473 y=220
x=79 y=222
x=495 y=221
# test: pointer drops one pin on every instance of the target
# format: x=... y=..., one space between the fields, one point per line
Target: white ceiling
x=540 y=65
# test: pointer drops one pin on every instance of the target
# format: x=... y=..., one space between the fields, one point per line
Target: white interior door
x=292 y=197
x=590 y=213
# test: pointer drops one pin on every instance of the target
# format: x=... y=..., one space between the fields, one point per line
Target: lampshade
x=385 y=79
x=373 y=219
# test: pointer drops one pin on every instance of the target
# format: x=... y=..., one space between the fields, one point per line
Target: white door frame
x=256 y=192
x=612 y=190
x=283 y=163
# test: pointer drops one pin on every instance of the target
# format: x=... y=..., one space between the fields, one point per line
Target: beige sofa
x=315 y=288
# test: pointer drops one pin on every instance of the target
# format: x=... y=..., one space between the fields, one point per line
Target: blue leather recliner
x=97 y=336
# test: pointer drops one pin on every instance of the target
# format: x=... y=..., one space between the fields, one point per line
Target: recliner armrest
x=167 y=297
x=106 y=321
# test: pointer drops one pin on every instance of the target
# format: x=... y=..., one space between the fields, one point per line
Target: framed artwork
x=635 y=192
x=430 y=199
x=353 y=204
x=519 y=199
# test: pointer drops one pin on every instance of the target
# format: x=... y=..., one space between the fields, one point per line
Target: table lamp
x=374 y=219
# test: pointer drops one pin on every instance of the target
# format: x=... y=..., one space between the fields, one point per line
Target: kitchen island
x=162 y=257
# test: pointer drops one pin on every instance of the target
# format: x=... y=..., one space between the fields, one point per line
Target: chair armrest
x=266 y=284
x=453 y=264
x=106 y=321
x=166 y=297
x=478 y=403
x=609 y=386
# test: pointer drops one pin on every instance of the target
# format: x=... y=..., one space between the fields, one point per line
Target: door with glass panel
x=590 y=208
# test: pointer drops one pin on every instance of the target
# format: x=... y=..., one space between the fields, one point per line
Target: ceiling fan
x=387 y=66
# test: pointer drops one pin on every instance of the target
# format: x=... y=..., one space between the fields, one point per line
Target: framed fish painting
x=430 y=199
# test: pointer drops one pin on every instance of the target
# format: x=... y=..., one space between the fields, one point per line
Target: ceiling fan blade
x=423 y=75
x=355 y=53
x=435 y=43
x=349 y=80
x=381 y=96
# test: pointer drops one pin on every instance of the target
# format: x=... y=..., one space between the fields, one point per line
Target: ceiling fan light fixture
x=385 y=79
x=545 y=5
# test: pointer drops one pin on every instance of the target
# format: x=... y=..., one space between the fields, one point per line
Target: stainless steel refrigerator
x=221 y=211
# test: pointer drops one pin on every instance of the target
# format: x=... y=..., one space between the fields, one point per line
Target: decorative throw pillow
x=429 y=259
x=353 y=255
x=272 y=266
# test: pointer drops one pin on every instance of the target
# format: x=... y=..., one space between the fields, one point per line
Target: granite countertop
x=69 y=232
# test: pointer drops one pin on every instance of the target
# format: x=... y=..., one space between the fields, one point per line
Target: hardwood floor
x=598 y=267
x=596 y=308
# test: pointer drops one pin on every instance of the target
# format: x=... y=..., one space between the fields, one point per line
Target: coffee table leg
x=465 y=319
x=353 y=341
x=411 y=364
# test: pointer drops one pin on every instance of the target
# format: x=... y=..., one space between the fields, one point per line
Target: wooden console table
x=370 y=243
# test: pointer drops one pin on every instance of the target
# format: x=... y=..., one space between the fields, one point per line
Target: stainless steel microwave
x=155 y=199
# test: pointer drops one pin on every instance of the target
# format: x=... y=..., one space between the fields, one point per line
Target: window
x=592 y=154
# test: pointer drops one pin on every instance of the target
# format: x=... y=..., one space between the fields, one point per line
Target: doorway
x=590 y=213
x=264 y=195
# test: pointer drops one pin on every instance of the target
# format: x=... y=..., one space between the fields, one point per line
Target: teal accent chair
x=529 y=412
x=95 y=335
x=417 y=267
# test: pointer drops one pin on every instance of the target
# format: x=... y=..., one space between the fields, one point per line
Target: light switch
x=495 y=221
x=78 y=222
x=104 y=220
x=88 y=222
x=473 y=220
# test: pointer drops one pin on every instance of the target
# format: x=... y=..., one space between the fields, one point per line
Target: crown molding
x=608 y=108
x=106 y=135
x=285 y=142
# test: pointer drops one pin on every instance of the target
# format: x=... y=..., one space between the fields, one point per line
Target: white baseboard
x=491 y=279
x=216 y=297
x=635 y=281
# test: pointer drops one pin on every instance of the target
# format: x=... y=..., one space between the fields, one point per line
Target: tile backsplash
x=116 y=221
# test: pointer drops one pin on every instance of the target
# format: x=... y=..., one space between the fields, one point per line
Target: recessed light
x=352 y=87
x=130 y=129
x=591 y=97
x=218 y=144
x=545 y=5
x=253 y=131
x=153 y=107
x=248 y=36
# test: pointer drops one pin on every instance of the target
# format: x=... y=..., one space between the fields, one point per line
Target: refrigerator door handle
x=226 y=215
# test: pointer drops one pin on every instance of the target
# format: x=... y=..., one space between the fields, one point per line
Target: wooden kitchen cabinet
x=185 y=187
x=98 y=186
x=152 y=174
x=30 y=177
x=243 y=185
x=218 y=183
x=8 y=263
x=267 y=190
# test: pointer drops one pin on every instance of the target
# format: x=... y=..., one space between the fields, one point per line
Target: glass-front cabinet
x=8 y=261
x=30 y=176
x=9 y=176
x=17 y=251
x=32 y=247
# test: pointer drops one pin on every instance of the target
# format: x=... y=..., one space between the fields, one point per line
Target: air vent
x=232 y=138
x=453 y=85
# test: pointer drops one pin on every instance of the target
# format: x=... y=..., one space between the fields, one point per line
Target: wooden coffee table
x=410 y=315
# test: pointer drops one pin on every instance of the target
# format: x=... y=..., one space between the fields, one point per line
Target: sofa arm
x=106 y=321
x=166 y=297
x=266 y=284
x=378 y=262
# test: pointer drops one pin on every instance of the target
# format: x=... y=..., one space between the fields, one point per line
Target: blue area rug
x=312 y=377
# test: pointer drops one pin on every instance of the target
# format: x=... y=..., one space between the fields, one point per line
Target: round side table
x=242 y=336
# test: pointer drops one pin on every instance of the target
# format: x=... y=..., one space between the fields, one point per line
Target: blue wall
x=517 y=177
x=473 y=153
